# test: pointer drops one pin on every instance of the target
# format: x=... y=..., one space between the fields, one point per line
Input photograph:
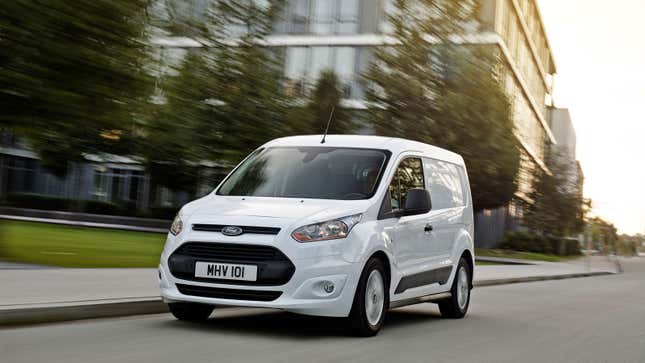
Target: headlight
x=177 y=226
x=334 y=229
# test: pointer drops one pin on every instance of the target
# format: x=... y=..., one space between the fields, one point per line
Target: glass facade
x=321 y=17
x=520 y=45
x=304 y=64
x=519 y=25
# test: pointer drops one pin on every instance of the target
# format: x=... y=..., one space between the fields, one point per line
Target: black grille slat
x=245 y=229
x=231 y=294
x=274 y=268
x=228 y=252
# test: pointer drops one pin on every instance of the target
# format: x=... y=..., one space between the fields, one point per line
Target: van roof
x=394 y=145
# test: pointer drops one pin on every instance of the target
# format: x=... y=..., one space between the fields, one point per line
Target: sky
x=599 y=51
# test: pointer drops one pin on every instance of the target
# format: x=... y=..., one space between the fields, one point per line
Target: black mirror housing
x=417 y=201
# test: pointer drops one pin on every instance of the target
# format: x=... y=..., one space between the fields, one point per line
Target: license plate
x=226 y=271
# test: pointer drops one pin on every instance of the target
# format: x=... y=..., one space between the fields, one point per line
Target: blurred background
x=113 y=114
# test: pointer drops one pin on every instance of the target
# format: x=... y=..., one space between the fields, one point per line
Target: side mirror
x=417 y=201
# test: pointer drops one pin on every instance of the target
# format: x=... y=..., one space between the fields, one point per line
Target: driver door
x=413 y=242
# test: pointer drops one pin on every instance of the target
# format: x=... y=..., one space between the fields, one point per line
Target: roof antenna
x=331 y=116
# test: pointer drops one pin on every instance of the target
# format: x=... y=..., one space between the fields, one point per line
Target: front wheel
x=456 y=306
x=370 y=301
x=190 y=311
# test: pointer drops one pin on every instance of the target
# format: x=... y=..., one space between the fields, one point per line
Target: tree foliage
x=475 y=120
x=223 y=100
x=604 y=235
x=311 y=114
x=430 y=87
x=71 y=75
x=176 y=130
x=558 y=206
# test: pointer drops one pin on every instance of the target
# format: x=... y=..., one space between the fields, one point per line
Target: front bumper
x=304 y=293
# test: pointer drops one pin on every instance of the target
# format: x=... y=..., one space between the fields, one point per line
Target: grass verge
x=532 y=256
x=69 y=246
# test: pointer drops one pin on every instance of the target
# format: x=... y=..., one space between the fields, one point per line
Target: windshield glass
x=308 y=172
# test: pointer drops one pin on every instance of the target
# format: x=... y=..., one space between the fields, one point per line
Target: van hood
x=283 y=211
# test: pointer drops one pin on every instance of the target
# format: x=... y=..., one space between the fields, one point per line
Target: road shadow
x=277 y=323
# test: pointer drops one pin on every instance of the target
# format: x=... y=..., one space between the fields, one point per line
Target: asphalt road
x=595 y=319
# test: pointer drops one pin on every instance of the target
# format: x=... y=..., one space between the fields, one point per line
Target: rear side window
x=446 y=184
x=408 y=175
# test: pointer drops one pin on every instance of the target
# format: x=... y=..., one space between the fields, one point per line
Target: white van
x=347 y=227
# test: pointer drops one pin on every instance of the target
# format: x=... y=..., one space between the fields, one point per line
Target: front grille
x=245 y=229
x=231 y=252
x=274 y=268
x=232 y=294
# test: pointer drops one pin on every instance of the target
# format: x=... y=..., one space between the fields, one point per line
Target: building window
x=299 y=16
x=303 y=66
x=388 y=7
x=345 y=68
x=323 y=17
x=296 y=62
x=321 y=59
x=21 y=175
x=348 y=16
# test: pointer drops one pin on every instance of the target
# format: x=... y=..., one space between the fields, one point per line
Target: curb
x=505 y=261
x=515 y=280
x=94 y=310
x=67 y=222
x=68 y=312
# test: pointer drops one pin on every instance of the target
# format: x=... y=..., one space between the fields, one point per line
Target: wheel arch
x=470 y=259
x=383 y=257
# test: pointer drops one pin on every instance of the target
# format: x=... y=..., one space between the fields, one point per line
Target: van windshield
x=308 y=172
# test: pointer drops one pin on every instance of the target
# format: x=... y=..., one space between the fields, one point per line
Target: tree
x=250 y=103
x=312 y=118
x=603 y=234
x=430 y=87
x=475 y=121
x=558 y=206
x=223 y=100
x=71 y=75
x=173 y=146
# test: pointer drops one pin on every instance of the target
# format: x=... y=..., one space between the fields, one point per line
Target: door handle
x=428 y=228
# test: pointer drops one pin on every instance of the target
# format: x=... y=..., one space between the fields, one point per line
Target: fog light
x=328 y=286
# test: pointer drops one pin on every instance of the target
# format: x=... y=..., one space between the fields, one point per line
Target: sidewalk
x=55 y=294
x=489 y=275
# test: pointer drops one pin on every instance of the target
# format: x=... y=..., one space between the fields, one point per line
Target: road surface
x=595 y=319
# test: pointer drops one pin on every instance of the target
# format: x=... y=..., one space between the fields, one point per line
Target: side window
x=445 y=183
x=408 y=175
x=464 y=185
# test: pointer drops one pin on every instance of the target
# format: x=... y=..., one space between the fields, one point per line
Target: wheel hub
x=463 y=288
x=374 y=297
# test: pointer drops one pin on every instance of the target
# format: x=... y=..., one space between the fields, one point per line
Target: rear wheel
x=370 y=301
x=190 y=311
x=456 y=306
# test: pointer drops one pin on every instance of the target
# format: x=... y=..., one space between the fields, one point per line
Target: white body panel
x=409 y=249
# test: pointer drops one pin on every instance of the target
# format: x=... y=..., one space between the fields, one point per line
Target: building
x=563 y=131
x=564 y=150
x=109 y=179
x=115 y=184
x=341 y=34
x=314 y=35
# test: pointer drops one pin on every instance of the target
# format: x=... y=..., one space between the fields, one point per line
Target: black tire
x=190 y=311
x=450 y=307
x=358 y=320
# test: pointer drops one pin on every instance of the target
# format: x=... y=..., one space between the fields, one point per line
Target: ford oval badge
x=232 y=231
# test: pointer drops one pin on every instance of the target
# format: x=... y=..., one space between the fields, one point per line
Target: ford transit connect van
x=349 y=227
